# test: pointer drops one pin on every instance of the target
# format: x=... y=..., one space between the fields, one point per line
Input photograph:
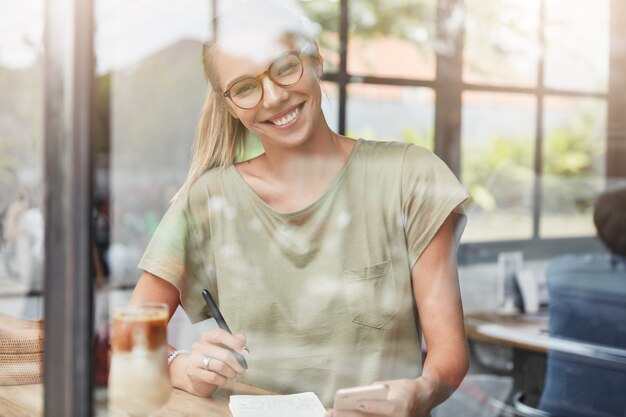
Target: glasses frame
x=267 y=73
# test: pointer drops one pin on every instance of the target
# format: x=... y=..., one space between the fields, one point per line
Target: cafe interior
x=524 y=101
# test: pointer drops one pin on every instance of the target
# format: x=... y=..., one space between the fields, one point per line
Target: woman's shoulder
x=210 y=182
x=211 y=177
x=394 y=152
x=385 y=145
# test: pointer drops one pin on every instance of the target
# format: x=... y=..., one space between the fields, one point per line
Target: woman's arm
x=438 y=299
x=151 y=288
x=187 y=371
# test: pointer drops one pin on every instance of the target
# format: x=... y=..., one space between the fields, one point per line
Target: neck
x=290 y=178
x=322 y=155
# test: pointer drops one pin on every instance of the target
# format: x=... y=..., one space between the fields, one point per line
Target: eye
x=286 y=69
x=244 y=88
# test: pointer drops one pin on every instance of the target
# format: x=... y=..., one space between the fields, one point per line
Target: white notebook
x=306 y=404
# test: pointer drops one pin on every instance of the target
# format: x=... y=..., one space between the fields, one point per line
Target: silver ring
x=205 y=362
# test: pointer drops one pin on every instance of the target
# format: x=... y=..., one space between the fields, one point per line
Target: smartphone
x=348 y=398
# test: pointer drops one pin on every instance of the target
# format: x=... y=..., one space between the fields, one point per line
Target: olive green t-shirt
x=323 y=294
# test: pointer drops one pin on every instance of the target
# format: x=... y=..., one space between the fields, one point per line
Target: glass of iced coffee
x=139 y=381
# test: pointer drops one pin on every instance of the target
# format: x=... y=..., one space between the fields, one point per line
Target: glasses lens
x=246 y=93
x=286 y=70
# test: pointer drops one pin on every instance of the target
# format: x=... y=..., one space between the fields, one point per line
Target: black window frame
x=449 y=86
x=68 y=170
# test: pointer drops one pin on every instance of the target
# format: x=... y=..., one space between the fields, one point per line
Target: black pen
x=217 y=314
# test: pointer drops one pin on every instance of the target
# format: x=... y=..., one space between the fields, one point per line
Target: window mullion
x=538 y=157
x=343 y=65
x=68 y=295
x=449 y=82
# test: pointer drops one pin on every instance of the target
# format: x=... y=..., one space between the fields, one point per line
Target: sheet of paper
x=306 y=404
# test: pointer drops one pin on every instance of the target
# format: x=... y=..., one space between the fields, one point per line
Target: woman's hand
x=214 y=349
x=406 y=398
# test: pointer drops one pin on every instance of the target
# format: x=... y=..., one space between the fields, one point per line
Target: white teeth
x=286 y=119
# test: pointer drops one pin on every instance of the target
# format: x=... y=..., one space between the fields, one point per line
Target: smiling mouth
x=286 y=119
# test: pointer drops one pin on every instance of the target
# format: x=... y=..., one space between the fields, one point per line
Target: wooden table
x=21 y=400
x=519 y=331
x=27 y=401
x=526 y=334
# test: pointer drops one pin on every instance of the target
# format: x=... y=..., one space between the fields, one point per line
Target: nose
x=272 y=93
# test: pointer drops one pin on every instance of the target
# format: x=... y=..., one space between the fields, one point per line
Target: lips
x=286 y=117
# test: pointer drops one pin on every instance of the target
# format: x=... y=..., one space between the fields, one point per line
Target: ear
x=318 y=61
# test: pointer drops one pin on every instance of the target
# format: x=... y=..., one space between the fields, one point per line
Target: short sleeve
x=430 y=192
x=165 y=254
x=179 y=252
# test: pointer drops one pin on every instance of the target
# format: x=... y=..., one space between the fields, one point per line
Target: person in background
x=329 y=256
x=587 y=305
x=23 y=230
x=11 y=228
x=609 y=217
x=10 y=231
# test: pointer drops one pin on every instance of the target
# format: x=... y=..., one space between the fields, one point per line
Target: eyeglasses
x=285 y=71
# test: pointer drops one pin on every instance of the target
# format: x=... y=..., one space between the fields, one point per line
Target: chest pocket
x=371 y=294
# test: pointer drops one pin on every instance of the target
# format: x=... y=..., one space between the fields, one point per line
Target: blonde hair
x=219 y=136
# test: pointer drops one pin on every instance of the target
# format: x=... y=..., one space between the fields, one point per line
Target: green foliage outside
x=397 y=18
x=500 y=172
x=251 y=149
x=369 y=19
x=424 y=139
x=497 y=33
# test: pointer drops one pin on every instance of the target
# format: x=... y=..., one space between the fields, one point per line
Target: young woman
x=329 y=257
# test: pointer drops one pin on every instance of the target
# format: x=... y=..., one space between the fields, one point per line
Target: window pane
x=150 y=92
x=577 y=44
x=326 y=14
x=573 y=165
x=21 y=199
x=497 y=164
x=150 y=72
x=501 y=42
x=394 y=38
x=21 y=145
x=384 y=112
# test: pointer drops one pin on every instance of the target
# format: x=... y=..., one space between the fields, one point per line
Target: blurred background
x=520 y=98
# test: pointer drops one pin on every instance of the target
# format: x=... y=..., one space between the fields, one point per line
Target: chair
x=586 y=364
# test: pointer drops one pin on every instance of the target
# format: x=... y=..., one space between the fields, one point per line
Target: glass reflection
x=382 y=112
x=577 y=45
x=326 y=14
x=501 y=42
x=21 y=210
x=497 y=164
x=150 y=52
x=392 y=39
x=573 y=165
x=21 y=149
x=149 y=89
